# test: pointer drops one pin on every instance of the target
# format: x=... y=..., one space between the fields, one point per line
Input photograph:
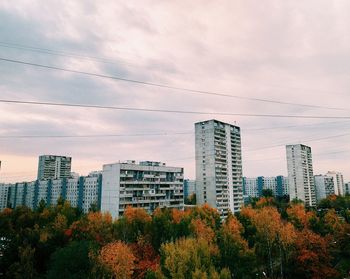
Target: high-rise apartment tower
x=219 y=166
x=300 y=174
x=54 y=167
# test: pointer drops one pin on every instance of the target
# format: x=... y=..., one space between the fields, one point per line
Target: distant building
x=347 y=188
x=82 y=192
x=189 y=188
x=324 y=186
x=300 y=174
x=254 y=186
x=219 y=166
x=4 y=189
x=250 y=187
x=54 y=167
x=147 y=185
x=338 y=182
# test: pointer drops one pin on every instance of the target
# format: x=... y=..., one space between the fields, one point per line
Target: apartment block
x=147 y=185
x=300 y=174
x=324 y=186
x=254 y=186
x=347 y=188
x=4 y=190
x=219 y=166
x=82 y=192
x=338 y=182
x=189 y=187
x=54 y=167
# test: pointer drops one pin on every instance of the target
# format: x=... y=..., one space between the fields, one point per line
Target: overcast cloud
x=290 y=51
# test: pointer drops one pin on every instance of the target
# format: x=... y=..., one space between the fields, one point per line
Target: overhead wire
x=110 y=60
x=178 y=89
x=8 y=101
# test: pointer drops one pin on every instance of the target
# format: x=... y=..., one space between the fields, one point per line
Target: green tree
x=71 y=262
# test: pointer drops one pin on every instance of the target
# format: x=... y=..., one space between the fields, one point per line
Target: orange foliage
x=98 y=217
x=232 y=228
x=206 y=213
x=264 y=201
x=201 y=230
x=299 y=216
x=6 y=211
x=248 y=212
x=287 y=235
x=179 y=215
x=117 y=258
x=136 y=214
x=267 y=221
x=96 y=226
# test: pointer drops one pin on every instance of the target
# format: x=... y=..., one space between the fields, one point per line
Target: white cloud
x=293 y=51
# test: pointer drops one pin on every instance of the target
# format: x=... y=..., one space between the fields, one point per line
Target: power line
x=165 y=133
x=169 y=111
x=295 y=126
x=183 y=89
x=265 y=147
x=94 y=136
x=307 y=140
x=63 y=53
x=109 y=60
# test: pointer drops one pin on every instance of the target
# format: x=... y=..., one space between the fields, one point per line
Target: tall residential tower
x=54 y=167
x=300 y=174
x=219 y=166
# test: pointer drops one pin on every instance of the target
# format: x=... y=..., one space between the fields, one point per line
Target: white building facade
x=147 y=185
x=338 y=182
x=300 y=174
x=83 y=192
x=54 y=167
x=219 y=166
x=324 y=186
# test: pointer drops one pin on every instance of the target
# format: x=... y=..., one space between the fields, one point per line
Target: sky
x=286 y=51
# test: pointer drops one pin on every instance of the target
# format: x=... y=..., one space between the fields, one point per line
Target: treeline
x=268 y=239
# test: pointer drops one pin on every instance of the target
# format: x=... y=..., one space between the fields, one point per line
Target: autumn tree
x=134 y=223
x=234 y=251
x=188 y=257
x=118 y=259
x=311 y=257
x=95 y=226
x=146 y=258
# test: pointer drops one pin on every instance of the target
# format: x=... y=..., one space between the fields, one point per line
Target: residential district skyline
x=219 y=180
x=20 y=175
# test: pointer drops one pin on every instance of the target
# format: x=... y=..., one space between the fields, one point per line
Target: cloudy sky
x=286 y=51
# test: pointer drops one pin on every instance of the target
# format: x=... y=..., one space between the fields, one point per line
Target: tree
x=234 y=250
x=134 y=224
x=146 y=258
x=71 y=261
x=311 y=258
x=95 y=226
x=187 y=257
x=267 y=193
x=298 y=215
x=24 y=268
x=118 y=259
